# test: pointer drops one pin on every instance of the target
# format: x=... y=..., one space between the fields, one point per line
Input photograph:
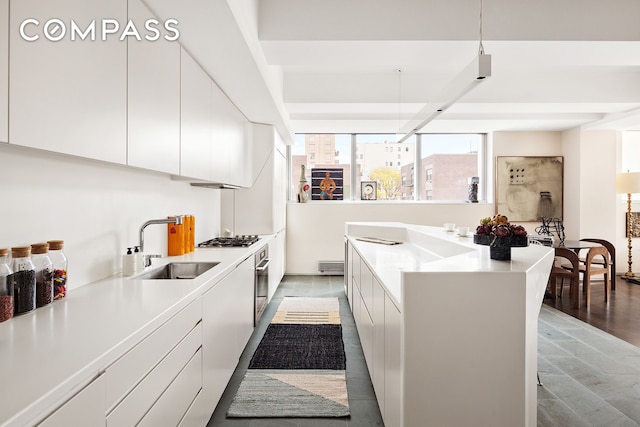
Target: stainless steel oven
x=261 y=282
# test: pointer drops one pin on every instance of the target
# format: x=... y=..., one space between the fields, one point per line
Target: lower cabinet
x=143 y=382
x=378 y=322
x=84 y=409
x=227 y=319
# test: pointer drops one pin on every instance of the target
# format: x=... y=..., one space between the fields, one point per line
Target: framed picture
x=635 y=224
x=326 y=184
x=529 y=188
x=368 y=190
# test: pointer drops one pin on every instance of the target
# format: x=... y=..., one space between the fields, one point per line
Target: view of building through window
x=446 y=163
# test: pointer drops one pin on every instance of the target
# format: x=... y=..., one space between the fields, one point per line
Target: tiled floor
x=362 y=402
x=590 y=378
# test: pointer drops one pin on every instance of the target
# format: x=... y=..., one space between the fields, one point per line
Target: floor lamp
x=629 y=183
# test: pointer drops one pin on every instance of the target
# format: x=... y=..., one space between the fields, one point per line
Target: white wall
x=96 y=208
x=315 y=230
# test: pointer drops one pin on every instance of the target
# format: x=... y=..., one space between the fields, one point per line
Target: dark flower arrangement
x=500 y=235
x=498 y=231
x=499 y=226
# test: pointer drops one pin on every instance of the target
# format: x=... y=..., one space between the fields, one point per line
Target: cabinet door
x=86 y=408
x=227 y=320
x=378 y=343
x=4 y=70
x=69 y=96
x=230 y=141
x=392 y=365
x=153 y=99
x=277 y=256
x=195 y=120
x=222 y=137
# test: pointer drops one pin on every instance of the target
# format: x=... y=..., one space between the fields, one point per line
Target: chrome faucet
x=173 y=220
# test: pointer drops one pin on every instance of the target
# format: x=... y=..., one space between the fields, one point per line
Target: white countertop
x=54 y=351
x=429 y=249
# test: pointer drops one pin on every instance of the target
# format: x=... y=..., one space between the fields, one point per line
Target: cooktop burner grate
x=226 y=242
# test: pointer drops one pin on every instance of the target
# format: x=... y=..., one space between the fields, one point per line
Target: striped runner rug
x=298 y=369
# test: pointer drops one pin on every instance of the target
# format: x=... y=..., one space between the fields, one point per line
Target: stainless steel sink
x=178 y=270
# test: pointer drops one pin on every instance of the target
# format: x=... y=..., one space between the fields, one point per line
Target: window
x=379 y=162
x=445 y=163
x=449 y=161
x=303 y=152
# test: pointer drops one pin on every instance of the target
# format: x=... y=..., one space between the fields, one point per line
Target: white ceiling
x=331 y=65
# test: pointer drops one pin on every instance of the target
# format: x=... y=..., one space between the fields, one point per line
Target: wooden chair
x=566 y=266
x=596 y=263
x=612 y=258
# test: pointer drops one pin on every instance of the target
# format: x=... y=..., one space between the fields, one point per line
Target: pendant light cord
x=480 y=48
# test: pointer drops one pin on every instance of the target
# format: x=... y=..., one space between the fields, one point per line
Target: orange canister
x=175 y=238
x=192 y=231
x=186 y=224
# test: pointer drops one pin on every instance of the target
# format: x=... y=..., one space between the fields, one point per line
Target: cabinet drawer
x=131 y=368
x=136 y=404
x=177 y=399
x=85 y=408
x=366 y=288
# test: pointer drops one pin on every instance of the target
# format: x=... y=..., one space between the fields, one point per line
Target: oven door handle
x=263 y=265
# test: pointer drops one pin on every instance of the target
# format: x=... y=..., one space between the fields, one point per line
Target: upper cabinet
x=4 y=70
x=68 y=96
x=215 y=136
x=231 y=141
x=153 y=98
x=196 y=151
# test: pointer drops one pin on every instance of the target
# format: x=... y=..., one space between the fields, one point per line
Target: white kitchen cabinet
x=4 y=70
x=176 y=400
x=260 y=209
x=277 y=265
x=196 y=149
x=68 y=96
x=136 y=381
x=227 y=320
x=153 y=99
x=231 y=149
x=392 y=364
x=84 y=409
x=377 y=316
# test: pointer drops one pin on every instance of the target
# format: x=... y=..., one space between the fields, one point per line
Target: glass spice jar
x=6 y=287
x=24 y=280
x=59 y=261
x=44 y=273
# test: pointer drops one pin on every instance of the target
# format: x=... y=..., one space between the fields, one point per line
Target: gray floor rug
x=297 y=370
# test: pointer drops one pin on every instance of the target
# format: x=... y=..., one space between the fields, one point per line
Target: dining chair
x=596 y=263
x=566 y=266
x=612 y=258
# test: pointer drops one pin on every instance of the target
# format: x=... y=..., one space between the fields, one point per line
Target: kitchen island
x=449 y=335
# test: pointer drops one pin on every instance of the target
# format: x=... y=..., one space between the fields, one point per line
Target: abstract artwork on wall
x=529 y=188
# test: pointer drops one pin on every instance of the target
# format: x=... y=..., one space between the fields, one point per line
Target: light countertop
x=54 y=351
x=426 y=249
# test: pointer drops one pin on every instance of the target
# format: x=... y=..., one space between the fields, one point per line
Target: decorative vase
x=303 y=186
x=482 y=239
x=500 y=248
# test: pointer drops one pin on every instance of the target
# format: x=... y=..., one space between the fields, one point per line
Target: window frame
x=417 y=171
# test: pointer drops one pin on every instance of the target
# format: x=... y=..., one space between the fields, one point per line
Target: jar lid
x=55 y=245
x=4 y=252
x=21 y=252
x=39 y=248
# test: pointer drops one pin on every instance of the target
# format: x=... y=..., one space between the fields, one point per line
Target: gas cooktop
x=227 y=242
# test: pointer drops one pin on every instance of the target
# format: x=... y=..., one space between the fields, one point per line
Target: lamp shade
x=628 y=182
